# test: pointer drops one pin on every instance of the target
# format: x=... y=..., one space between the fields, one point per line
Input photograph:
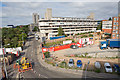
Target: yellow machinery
x=23 y=64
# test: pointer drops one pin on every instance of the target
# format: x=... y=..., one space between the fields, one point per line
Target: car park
x=71 y=63
x=107 y=66
x=97 y=65
x=79 y=63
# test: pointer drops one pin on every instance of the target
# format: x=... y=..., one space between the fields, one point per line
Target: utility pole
x=4 y=62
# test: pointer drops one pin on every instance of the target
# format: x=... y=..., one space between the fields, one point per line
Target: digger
x=23 y=65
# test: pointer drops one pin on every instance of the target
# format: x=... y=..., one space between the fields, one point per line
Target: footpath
x=80 y=72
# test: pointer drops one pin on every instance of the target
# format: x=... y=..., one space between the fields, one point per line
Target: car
x=74 y=46
x=107 y=66
x=79 y=63
x=71 y=63
x=97 y=65
x=116 y=68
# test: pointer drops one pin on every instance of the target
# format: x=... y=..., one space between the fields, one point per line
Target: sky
x=20 y=13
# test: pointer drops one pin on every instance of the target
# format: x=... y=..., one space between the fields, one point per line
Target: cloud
x=60 y=1
x=21 y=12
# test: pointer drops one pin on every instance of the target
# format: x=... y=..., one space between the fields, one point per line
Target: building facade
x=70 y=26
x=115 y=28
x=107 y=26
x=48 y=13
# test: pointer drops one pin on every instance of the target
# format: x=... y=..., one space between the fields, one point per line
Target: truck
x=110 y=43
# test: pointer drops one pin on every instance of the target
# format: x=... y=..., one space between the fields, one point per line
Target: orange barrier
x=60 y=47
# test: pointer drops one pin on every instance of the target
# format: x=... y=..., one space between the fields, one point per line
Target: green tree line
x=14 y=37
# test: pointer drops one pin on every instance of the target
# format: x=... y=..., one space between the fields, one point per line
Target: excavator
x=23 y=64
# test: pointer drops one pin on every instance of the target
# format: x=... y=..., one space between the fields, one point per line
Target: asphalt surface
x=38 y=70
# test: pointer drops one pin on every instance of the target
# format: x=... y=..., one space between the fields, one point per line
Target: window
x=113 y=31
x=117 y=19
x=113 y=35
x=114 y=23
x=117 y=35
x=113 y=27
x=116 y=27
x=114 y=18
x=116 y=31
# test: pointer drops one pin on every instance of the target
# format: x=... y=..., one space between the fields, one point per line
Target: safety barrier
x=60 y=47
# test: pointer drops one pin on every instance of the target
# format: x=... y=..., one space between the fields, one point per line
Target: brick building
x=115 y=28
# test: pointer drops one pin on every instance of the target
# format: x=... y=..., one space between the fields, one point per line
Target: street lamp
x=86 y=69
x=4 y=61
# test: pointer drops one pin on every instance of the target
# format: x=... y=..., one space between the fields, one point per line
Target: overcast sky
x=20 y=13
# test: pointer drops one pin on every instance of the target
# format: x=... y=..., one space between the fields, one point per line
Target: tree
x=60 y=31
x=15 y=41
x=35 y=29
x=99 y=27
x=110 y=18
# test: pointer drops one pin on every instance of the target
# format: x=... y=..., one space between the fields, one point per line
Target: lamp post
x=86 y=69
x=4 y=62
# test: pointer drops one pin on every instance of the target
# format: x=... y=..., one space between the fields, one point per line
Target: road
x=38 y=70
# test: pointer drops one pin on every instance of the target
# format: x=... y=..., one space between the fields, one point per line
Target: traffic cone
x=43 y=56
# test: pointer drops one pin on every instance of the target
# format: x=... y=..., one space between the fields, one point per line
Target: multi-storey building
x=35 y=18
x=119 y=24
x=115 y=28
x=70 y=25
x=48 y=13
x=107 y=26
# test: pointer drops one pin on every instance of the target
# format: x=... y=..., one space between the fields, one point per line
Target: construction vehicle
x=23 y=64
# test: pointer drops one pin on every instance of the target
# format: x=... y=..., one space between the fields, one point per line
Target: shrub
x=90 y=35
x=86 y=54
x=47 y=54
x=63 y=64
x=97 y=70
x=76 y=55
x=84 y=36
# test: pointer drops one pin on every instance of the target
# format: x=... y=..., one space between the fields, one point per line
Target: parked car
x=107 y=66
x=116 y=68
x=97 y=65
x=74 y=46
x=79 y=63
x=71 y=63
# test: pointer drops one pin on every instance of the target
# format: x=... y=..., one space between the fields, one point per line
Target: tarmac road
x=38 y=70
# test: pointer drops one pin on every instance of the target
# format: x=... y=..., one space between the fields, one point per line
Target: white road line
x=44 y=76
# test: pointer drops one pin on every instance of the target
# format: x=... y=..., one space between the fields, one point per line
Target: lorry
x=110 y=43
